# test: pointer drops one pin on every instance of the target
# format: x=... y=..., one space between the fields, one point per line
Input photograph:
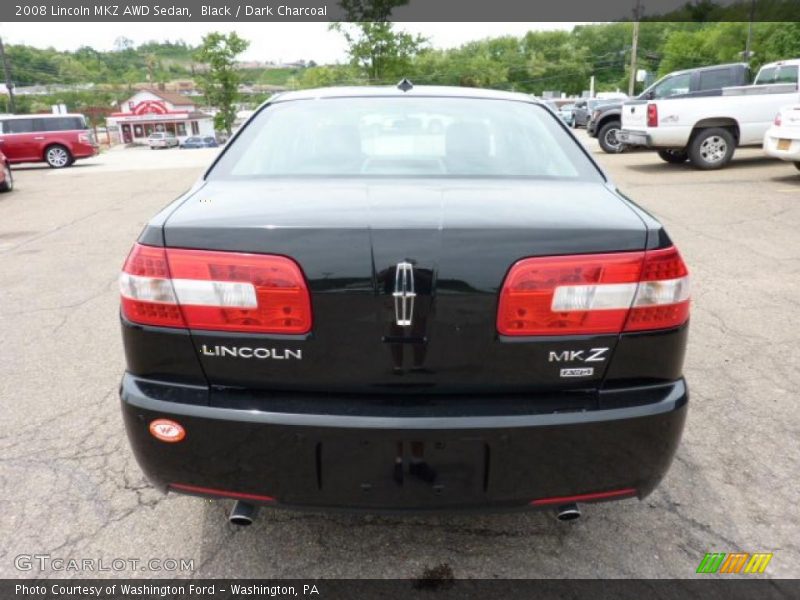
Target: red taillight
x=594 y=294
x=146 y=289
x=652 y=115
x=777 y=120
x=662 y=298
x=222 y=291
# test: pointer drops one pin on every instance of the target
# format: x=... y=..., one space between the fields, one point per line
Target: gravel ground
x=71 y=488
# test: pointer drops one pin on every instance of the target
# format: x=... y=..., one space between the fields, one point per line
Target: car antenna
x=405 y=85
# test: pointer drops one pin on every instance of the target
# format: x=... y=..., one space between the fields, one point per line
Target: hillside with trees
x=382 y=53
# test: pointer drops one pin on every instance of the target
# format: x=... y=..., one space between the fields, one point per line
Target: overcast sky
x=268 y=41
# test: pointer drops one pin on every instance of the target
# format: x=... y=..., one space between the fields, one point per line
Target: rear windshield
x=406 y=136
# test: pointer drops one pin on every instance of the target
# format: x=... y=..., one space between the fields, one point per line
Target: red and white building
x=149 y=111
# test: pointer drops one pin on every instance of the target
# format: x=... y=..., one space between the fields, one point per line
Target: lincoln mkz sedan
x=404 y=299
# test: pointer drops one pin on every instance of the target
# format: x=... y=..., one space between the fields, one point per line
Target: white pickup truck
x=706 y=130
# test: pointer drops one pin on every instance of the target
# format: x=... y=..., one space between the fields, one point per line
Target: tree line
x=381 y=53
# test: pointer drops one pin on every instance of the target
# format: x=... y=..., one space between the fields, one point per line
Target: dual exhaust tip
x=568 y=512
x=243 y=514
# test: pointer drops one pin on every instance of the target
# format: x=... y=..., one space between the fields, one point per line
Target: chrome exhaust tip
x=243 y=514
x=568 y=512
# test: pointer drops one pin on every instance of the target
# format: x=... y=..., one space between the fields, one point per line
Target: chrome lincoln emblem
x=404 y=294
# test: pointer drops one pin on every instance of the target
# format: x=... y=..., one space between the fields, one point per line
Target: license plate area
x=404 y=472
x=784 y=144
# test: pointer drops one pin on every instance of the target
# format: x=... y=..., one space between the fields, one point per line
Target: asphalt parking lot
x=71 y=487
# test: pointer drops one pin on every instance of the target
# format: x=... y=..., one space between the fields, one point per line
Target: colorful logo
x=734 y=562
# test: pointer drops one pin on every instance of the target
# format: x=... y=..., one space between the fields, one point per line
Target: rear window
x=407 y=136
x=779 y=74
x=42 y=124
x=714 y=80
x=675 y=85
x=18 y=126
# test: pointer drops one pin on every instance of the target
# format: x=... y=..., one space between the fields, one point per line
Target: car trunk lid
x=360 y=243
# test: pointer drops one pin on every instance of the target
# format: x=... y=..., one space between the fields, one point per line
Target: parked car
x=706 y=81
x=567 y=113
x=707 y=130
x=200 y=142
x=6 y=176
x=782 y=71
x=583 y=111
x=782 y=140
x=344 y=316
x=162 y=139
x=58 y=140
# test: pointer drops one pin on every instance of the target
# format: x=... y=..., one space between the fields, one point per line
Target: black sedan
x=354 y=309
x=200 y=142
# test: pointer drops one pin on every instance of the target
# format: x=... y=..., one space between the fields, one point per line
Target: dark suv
x=706 y=81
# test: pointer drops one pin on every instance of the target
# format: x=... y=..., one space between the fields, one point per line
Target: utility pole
x=7 y=72
x=634 y=46
x=750 y=31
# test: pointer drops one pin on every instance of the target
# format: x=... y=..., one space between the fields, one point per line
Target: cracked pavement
x=72 y=489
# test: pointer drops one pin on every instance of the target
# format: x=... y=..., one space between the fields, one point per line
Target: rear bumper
x=81 y=150
x=339 y=461
x=782 y=144
x=633 y=138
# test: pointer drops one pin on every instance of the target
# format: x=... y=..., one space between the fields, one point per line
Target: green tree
x=326 y=76
x=380 y=51
x=220 y=83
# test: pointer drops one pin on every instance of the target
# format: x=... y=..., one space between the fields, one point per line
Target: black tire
x=674 y=157
x=607 y=137
x=797 y=165
x=711 y=148
x=57 y=156
x=8 y=179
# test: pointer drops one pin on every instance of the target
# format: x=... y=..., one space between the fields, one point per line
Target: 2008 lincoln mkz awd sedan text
x=404 y=299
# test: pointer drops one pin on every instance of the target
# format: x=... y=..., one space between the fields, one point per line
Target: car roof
x=706 y=68
x=793 y=62
x=419 y=91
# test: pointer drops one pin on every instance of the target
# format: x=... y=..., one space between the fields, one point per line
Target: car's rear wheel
x=8 y=179
x=674 y=157
x=797 y=165
x=607 y=136
x=711 y=148
x=57 y=156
